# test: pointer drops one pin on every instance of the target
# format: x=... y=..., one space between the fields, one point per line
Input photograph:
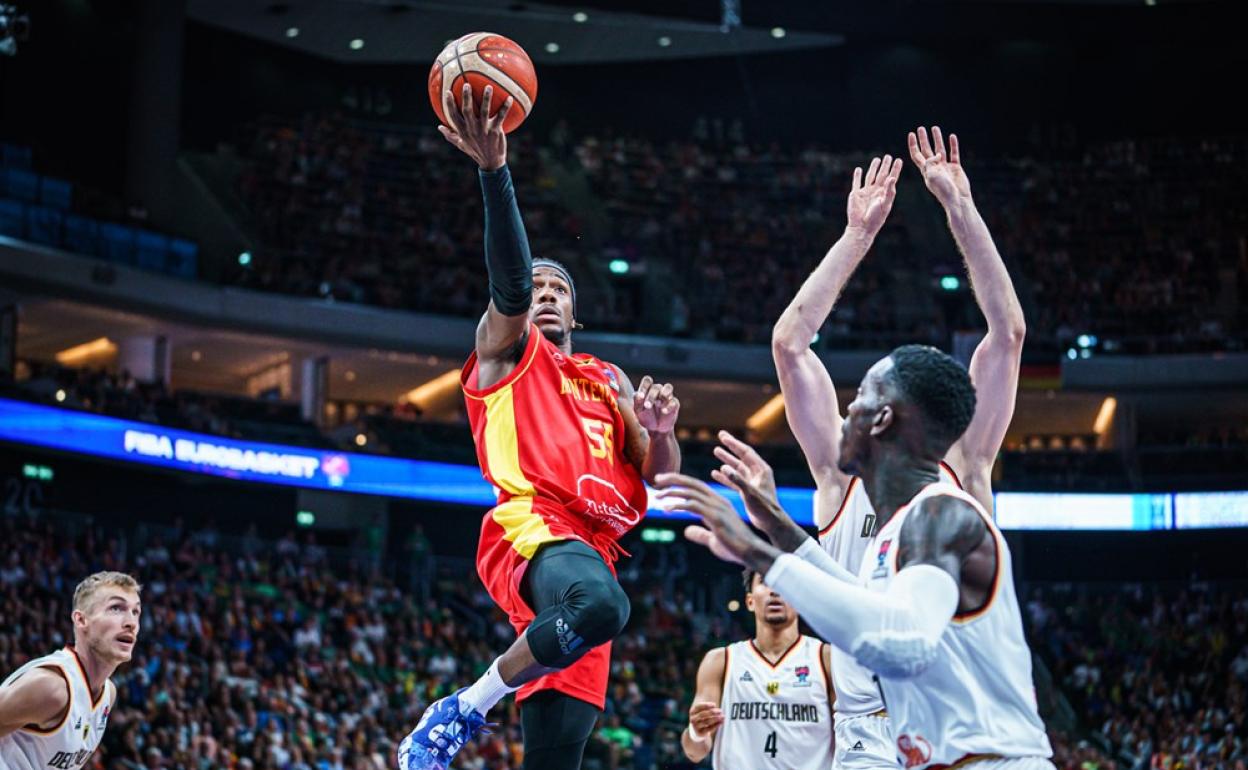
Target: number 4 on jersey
x=769 y=748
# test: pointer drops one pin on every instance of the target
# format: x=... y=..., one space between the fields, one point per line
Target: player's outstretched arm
x=810 y=404
x=508 y=260
x=705 y=715
x=995 y=363
x=745 y=471
x=895 y=633
x=650 y=412
x=39 y=697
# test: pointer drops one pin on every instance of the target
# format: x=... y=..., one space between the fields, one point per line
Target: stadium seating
x=41 y=209
x=287 y=654
x=388 y=215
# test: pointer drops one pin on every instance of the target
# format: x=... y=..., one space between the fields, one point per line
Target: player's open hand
x=706 y=717
x=871 y=198
x=724 y=533
x=477 y=135
x=942 y=173
x=745 y=471
x=656 y=406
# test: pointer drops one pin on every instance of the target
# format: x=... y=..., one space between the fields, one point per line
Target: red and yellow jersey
x=551 y=439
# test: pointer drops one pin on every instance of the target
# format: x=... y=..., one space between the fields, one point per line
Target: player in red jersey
x=567 y=443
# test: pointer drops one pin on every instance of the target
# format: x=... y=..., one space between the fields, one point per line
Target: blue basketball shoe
x=443 y=730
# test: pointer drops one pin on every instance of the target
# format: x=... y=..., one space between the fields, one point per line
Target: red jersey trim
x=957 y=482
x=844 y=502
x=95 y=701
x=783 y=655
x=69 y=706
x=827 y=676
x=962 y=618
x=526 y=360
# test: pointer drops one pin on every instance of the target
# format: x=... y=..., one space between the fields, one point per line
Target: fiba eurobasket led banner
x=153 y=445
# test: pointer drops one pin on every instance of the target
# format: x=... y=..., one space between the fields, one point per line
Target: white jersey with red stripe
x=845 y=538
x=71 y=743
x=977 y=700
x=775 y=715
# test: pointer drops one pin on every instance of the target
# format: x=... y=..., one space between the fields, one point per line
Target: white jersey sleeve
x=68 y=745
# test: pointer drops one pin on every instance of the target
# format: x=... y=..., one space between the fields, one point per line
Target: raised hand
x=749 y=474
x=942 y=173
x=745 y=471
x=656 y=406
x=871 y=199
x=477 y=135
x=725 y=534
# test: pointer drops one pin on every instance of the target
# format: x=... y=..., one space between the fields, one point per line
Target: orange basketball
x=483 y=58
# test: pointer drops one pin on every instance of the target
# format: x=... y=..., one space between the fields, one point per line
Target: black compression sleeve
x=507 y=257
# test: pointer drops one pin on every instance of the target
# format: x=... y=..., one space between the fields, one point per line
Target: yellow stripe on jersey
x=524 y=529
x=502 y=446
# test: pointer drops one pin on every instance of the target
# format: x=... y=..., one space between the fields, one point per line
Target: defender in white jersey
x=940 y=628
x=764 y=702
x=863 y=730
x=980 y=672
x=843 y=513
x=54 y=709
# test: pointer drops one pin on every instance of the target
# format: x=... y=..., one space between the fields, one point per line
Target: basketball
x=483 y=58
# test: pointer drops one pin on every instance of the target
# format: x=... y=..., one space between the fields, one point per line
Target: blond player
x=843 y=513
x=54 y=709
x=764 y=702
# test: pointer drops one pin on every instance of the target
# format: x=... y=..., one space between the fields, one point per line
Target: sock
x=486 y=691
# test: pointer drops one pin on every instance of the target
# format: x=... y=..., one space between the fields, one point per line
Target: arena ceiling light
x=767 y=414
x=79 y=354
x=1105 y=417
x=438 y=388
x=410 y=32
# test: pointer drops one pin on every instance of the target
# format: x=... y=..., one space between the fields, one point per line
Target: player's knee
x=604 y=611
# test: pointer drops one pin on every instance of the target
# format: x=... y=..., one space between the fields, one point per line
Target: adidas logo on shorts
x=858 y=747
